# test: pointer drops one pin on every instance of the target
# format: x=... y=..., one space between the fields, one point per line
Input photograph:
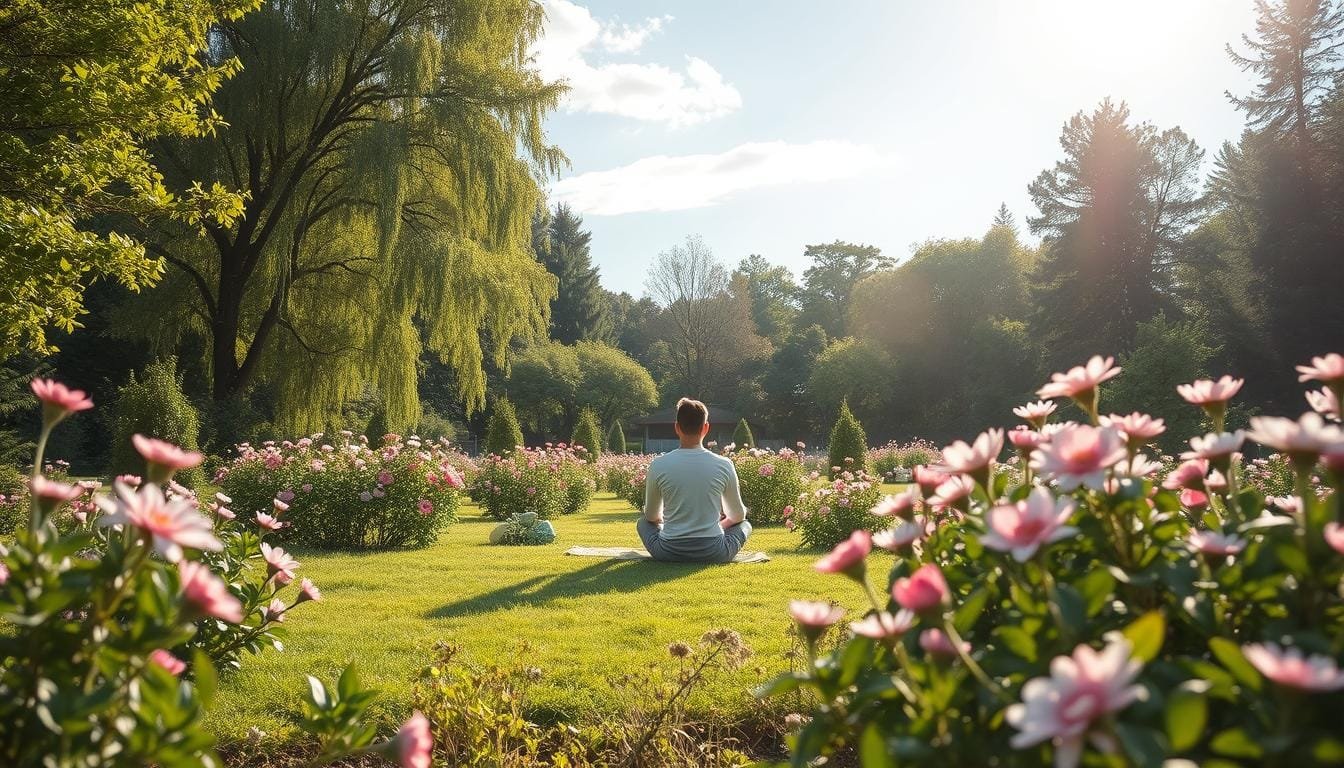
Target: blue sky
x=767 y=126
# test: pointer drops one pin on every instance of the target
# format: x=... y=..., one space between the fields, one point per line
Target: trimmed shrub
x=616 y=439
x=829 y=512
x=587 y=436
x=401 y=494
x=503 y=434
x=550 y=481
x=742 y=437
x=848 y=448
x=154 y=405
x=770 y=483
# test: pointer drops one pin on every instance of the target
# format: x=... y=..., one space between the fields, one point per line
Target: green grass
x=585 y=619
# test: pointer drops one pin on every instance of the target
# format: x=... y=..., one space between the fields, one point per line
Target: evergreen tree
x=579 y=310
x=154 y=406
x=848 y=447
x=1004 y=218
x=503 y=434
x=742 y=436
x=616 y=439
x=588 y=435
x=1112 y=215
x=774 y=296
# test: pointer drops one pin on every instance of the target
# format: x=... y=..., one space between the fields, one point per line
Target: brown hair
x=692 y=415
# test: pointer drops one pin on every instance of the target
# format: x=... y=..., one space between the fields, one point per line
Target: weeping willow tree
x=391 y=152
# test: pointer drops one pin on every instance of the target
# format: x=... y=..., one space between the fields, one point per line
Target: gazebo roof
x=717 y=415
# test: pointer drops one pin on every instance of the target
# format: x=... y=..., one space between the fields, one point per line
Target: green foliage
x=1165 y=354
x=552 y=383
x=502 y=434
x=400 y=494
x=154 y=406
x=611 y=383
x=84 y=89
x=587 y=436
x=848 y=446
x=393 y=216
x=774 y=296
x=13 y=499
x=828 y=512
x=770 y=483
x=827 y=284
x=616 y=439
x=742 y=437
x=523 y=529
x=851 y=371
x=579 y=309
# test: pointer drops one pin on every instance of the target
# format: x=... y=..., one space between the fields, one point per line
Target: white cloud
x=573 y=40
x=664 y=183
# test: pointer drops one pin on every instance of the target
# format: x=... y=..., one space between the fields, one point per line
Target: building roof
x=720 y=415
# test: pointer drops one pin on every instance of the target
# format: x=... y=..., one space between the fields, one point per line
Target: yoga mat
x=626 y=553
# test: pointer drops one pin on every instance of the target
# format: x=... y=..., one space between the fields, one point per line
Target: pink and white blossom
x=308 y=591
x=1138 y=428
x=1081 y=381
x=1036 y=413
x=936 y=643
x=278 y=561
x=848 y=557
x=896 y=505
x=974 y=458
x=1214 y=543
x=167 y=661
x=171 y=523
x=58 y=400
x=922 y=591
x=1303 y=440
x=163 y=457
x=1024 y=527
x=1334 y=536
x=1083 y=688
x=814 y=617
x=1215 y=447
x=883 y=625
x=414 y=743
x=208 y=593
x=268 y=522
x=1190 y=474
x=1328 y=369
x=1325 y=402
x=1206 y=392
x=1316 y=673
x=900 y=537
x=952 y=492
x=1080 y=456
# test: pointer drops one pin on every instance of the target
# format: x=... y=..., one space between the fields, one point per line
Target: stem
x=971 y=664
x=36 y=519
x=872 y=596
x=1052 y=601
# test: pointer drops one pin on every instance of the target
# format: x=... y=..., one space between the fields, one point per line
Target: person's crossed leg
x=700 y=549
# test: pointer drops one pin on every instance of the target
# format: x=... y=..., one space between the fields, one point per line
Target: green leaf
x=1328 y=750
x=1096 y=588
x=786 y=683
x=1146 y=635
x=207 y=681
x=1231 y=657
x=1071 y=607
x=873 y=749
x=1017 y=640
x=1187 y=713
x=317 y=694
x=1235 y=743
x=348 y=684
x=970 y=609
x=1144 y=745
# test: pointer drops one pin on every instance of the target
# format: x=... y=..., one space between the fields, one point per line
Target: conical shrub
x=154 y=406
x=742 y=436
x=588 y=435
x=849 y=444
x=616 y=439
x=503 y=434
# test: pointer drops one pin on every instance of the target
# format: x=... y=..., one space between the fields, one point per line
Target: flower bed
x=828 y=511
x=770 y=483
x=345 y=494
x=616 y=473
x=895 y=462
x=1104 y=610
x=550 y=481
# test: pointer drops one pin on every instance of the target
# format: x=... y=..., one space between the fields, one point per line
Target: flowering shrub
x=1102 y=605
x=111 y=627
x=770 y=482
x=616 y=473
x=550 y=481
x=894 y=462
x=346 y=494
x=829 y=511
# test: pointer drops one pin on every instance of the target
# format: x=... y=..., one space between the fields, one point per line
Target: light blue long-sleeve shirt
x=688 y=488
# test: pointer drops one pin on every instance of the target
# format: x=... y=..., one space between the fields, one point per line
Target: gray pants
x=698 y=549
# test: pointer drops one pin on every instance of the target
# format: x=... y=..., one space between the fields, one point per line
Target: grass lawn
x=585 y=619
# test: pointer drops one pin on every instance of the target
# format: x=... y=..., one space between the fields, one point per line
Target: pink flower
x=848 y=557
x=131 y=480
x=274 y=612
x=953 y=492
x=1189 y=474
x=385 y=477
x=53 y=493
x=164 y=458
x=1080 y=455
x=1334 y=536
x=426 y=507
x=882 y=626
x=766 y=470
x=1328 y=369
x=1287 y=667
x=279 y=506
x=1081 y=382
x=1026 y=526
x=1325 y=402
x=414 y=743
x=922 y=591
x=1217 y=448
x=1193 y=500
x=278 y=561
x=899 y=505
x=307 y=487
x=1303 y=440
x=928 y=478
x=208 y=593
x=935 y=642
x=1138 y=428
x=1026 y=440
x=900 y=537
x=1036 y=413
x=974 y=459
x=223 y=512
x=1214 y=543
x=268 y=523
x=168 y=661
x=308 y=591
x=787 y=513
x=1082 y=688
x=453 y=479
x=1208 y=392
x=808 y=613
x=171 y=523
x=58 y=400
x=1138 y=465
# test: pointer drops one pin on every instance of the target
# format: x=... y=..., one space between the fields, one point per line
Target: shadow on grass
x=602 y=577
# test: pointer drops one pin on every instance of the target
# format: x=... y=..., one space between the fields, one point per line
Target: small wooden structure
x=660 y=435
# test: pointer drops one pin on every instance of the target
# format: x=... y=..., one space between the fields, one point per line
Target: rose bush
x=616 y=472
x=895 y=462
x=346 y=494
x=114 y=626
x=770 y=482
x=828 y=511
x=550 y=481
x=1103 y=610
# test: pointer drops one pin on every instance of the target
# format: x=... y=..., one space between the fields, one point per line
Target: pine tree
x=616 y=439
x=1004 y=218
x=742 y=436
x=579 y=310
x=848 y=448
x=588 y=435
x=503 y=434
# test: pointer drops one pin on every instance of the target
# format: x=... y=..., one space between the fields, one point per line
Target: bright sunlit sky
x=765 y=126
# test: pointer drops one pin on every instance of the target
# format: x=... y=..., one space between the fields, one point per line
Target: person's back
x=692 y=504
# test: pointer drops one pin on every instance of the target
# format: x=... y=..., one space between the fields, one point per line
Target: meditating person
x=693 y=509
